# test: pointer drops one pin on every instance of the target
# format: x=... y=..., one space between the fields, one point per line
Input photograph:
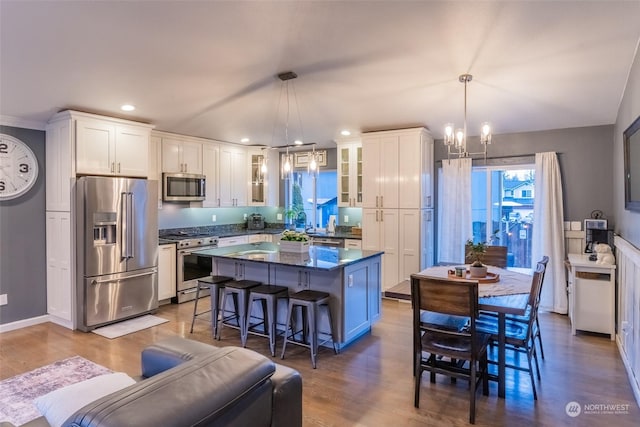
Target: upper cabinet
x=380 y=168
x=349 y=153
x=87 y=144
x=181 y=155
x=263 y=177
x=210 y=166
x=398 y=160
x=233 y=176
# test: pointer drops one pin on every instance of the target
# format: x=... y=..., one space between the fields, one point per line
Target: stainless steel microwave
x=183 y=187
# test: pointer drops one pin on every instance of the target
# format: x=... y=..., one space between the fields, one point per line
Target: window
x=304 y=193
x=501 y=218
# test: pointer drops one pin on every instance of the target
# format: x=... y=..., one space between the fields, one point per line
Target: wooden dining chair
x=455 y=353
x=494 y=255
x=519 y=334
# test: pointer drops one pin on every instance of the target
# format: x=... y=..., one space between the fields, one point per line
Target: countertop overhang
x=317 y=257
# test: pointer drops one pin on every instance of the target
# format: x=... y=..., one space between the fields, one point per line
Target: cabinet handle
x=382 y=201
x=218 y=201
x=381 y=216
x=118 y=167
x=429 y=201
x=377 y=201
x=112 y=167
x=377 y=216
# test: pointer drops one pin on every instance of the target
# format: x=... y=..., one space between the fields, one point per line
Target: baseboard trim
x=19 y=324
x=635 y=386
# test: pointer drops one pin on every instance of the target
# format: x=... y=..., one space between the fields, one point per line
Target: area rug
x=129 y=326
x=17 y=393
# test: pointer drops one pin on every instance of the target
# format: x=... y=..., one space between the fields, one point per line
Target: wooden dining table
x=508 y=295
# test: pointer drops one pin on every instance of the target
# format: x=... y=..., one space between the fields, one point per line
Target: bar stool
x=215 y=284
x=239 y=292
x=309 y=303
x=268 y=295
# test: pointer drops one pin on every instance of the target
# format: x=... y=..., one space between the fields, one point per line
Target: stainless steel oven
x=190 y=268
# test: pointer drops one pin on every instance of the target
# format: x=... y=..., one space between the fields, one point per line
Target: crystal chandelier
x=456 y=140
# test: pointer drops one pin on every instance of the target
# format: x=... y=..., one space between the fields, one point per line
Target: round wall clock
x=18 y=167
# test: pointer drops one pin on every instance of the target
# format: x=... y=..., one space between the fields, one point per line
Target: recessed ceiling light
x=244 y=140
x=127 y=107
x=297 y=142
x=345 y=132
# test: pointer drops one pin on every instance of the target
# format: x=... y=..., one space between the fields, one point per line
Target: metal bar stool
x=239 y=292
x=268 y=295
x=309 y=303
x=214 y=284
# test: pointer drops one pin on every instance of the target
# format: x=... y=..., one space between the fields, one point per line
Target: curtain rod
x=503 y=160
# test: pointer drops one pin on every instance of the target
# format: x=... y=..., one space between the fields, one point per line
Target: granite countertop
x=317 y=257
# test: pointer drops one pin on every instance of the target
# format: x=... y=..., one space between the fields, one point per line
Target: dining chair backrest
x=536 y=287
x=451 y=297
x=493 y=255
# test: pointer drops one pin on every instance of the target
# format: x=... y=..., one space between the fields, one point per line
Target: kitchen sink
x=255 y=252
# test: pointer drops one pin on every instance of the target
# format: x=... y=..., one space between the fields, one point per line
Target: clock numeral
x=24 y=168
x=4 y=148
x=2 y=186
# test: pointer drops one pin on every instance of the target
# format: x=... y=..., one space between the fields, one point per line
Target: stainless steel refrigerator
x=117 y=249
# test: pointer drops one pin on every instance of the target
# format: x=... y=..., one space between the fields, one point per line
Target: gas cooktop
x=191 y=239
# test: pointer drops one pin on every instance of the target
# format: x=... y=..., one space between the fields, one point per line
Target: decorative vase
x=478 y=272
x=293 y=246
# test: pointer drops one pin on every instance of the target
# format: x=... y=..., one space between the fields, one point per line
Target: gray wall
x=586 y=163
x=627 y=222
x=22 y=241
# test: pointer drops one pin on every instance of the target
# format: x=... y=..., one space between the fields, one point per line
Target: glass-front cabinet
x=263 y=177
x=350 y=173
x=257 y=179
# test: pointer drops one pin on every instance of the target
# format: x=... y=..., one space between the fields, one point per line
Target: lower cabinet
x=255 y=238
x=166 y=271
x=60 y=277
x=230 y=241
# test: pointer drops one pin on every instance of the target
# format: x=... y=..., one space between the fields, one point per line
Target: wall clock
x=18 y=167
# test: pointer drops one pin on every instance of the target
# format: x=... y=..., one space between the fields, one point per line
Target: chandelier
x=287 y=159
x=456 y=140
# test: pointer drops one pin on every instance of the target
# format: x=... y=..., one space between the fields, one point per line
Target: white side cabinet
x=591 y=295
x=166 y=271
x=210 y=162
x=60 y=274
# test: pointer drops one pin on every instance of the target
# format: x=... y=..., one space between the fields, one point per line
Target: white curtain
x=454 y=214
x=548 y=231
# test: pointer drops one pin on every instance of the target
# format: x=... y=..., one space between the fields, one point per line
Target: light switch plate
x=279 y=217
x=214 y=218
x=3 y=299
x=346 y=218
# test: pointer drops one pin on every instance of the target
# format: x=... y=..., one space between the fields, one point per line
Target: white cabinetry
x=349 y=153
x=155 y=164
x=231 y=241
x=210 y=162
x=352 y=244
x=263 y=187
x=107 y=148
x=397 y=175
x=233 y=176
x=60 y=170
x=166 y=271
x=255 y=238
x=181 y=155
x=60 y=276
x=628 y=269
x=591 y=295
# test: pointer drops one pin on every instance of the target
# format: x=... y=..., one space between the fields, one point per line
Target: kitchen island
x=350 y=276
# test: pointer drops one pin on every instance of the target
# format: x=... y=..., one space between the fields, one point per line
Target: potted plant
x=294 y=241
x=475 y=253
x=290 y=216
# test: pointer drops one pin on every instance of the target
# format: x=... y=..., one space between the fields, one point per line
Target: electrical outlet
x=244 y=217
x=3 y=299
x=346 y=219
x=279 y=217
x=350 y=280
x=213 y=218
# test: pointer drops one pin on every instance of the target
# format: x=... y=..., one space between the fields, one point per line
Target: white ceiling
x=209 y=68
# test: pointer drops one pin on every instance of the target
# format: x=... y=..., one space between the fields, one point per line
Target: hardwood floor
x=370 y=383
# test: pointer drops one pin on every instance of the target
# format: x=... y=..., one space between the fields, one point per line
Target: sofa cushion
x=170 y=352
x=202 y=391
x=60 y=404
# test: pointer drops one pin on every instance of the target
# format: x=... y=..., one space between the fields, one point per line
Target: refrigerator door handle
x=131 y=225
x=124 y=226
x=127 y=225
x=97 y=282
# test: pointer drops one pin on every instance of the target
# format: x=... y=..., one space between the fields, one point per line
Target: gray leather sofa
x=188 y=383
